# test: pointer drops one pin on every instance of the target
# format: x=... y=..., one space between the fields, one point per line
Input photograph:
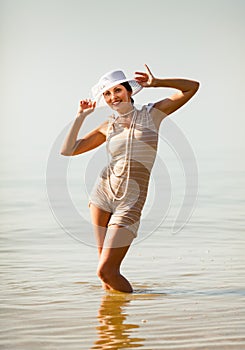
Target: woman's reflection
x=113 y=333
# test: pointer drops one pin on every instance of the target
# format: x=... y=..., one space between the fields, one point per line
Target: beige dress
x=123 y=184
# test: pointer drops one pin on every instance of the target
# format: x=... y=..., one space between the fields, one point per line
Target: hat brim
x=136 y=87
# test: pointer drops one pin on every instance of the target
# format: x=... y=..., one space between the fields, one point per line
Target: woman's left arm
x=187 y=88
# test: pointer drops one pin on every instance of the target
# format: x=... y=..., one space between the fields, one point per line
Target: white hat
x=111 y=79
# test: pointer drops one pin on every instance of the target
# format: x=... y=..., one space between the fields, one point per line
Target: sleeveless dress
x=122 y=186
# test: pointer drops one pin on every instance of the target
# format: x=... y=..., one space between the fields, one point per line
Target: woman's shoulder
x=152 y=115
x=103 y=127
x=145 y=108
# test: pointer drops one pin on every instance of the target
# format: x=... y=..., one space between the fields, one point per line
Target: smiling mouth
x=115 y=103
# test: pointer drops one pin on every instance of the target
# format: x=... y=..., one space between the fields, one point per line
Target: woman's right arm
x=73 y=146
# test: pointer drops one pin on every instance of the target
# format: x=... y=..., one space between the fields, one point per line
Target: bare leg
x=116 y=245
x=100 y=219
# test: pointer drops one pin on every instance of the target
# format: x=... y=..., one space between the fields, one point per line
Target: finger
x=140 y=73
x=141 y=79
x=148 y=69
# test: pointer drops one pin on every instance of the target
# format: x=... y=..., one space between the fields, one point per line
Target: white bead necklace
x=124 y=115
x=128 y=152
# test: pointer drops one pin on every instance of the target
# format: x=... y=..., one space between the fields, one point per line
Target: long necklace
x=128 y=152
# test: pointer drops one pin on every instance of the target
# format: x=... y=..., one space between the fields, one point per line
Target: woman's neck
x=126 y=112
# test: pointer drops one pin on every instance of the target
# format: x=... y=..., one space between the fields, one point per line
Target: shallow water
x=189 y=288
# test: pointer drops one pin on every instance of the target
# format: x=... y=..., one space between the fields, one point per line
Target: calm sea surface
x=189 y=287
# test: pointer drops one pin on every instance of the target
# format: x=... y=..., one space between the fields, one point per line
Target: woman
x=118 y=198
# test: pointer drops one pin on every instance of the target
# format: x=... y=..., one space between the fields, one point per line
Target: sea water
x=189 y=287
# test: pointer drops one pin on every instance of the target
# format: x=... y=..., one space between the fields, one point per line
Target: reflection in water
x=113 y=333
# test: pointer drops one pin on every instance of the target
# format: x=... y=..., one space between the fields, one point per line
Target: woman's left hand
x=145 y=79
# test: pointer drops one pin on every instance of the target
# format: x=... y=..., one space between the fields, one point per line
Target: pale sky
x=53 y=51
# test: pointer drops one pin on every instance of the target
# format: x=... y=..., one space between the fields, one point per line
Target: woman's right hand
x=86 y=107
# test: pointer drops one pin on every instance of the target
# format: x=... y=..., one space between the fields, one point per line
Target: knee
x=105 y=273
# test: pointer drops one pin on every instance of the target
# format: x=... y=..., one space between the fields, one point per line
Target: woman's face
x=117 y=97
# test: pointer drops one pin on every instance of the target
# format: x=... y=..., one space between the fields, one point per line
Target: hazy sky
x=53 y=51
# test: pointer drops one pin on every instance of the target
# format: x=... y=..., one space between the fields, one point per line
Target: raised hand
x=145 y=79
x=86 y=106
